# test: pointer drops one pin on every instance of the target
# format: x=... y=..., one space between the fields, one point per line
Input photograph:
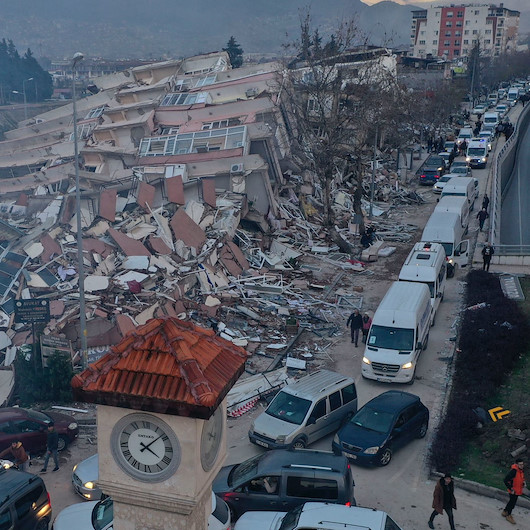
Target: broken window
x=95 y=113
x=176 y=99
x=207 y=80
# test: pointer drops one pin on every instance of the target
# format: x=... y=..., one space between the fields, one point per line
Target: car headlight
x=366 y=361
x=75 y=467
x=89 y=485
x=468 y=159
x=372 y=450
x=280 y=439
x=451 y=261
x=483 y=159
x=407 y=366
x=72 y=426
x=336 y=439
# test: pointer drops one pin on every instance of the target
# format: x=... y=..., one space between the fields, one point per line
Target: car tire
x=423 y=429
x=299 y=443
x=451 y=271
x=385 y=458
x=63 y=442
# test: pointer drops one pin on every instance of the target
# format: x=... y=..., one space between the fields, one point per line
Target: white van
x=426 y=264
x=477 y=153
x=493 y=99
x=446 y=228
x=455 y=204
x=462 y=187
x=513 y=96
x=305 y=411
x=491 y=118
x=466 y=133
x=399 y=332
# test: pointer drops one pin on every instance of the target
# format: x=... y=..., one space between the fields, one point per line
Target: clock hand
x=148 y=448
x=149 y=444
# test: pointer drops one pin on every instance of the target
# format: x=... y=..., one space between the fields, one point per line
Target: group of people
x=504 y=127
x=21 y=459
x=444 y=495
x=435 y=145
x=359 y=323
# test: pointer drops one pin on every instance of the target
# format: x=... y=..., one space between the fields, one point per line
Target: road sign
x=32 y=311
x=50 y=344
x=497 y=413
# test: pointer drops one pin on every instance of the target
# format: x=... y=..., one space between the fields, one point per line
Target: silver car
x=84 y=479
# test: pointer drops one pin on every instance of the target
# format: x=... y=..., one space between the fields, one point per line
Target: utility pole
x=372 y=184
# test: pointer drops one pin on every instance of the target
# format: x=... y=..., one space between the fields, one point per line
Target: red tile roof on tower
x=167 y=366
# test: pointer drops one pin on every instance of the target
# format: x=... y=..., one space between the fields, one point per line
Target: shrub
x=491 y=339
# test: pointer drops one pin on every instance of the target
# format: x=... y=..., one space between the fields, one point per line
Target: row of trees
x=22 y=74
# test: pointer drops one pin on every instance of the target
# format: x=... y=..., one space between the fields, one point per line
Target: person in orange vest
x=514 y=481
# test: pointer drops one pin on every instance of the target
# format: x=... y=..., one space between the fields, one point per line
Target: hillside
x=173 y=28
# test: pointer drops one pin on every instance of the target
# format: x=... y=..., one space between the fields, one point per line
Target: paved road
x=515 y=214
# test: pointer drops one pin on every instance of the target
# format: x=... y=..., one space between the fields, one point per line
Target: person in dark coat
x=482 y=216
x=367 y=322
x=485 y=201
x=52 y=444
x=444 y=499
x=487 y=253
x=355 y=323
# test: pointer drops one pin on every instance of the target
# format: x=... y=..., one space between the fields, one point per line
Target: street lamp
x=25 y=101
x=80 y=265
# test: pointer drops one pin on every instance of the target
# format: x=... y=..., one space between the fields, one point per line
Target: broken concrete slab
x=129 y=246
x=187 y=230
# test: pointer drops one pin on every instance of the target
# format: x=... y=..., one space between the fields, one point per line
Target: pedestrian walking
x=367 y=322
x=444 y=499
x=463 y=148
x=514 y=481
x=52 y=444
x=20 y=457
x=355 y=323
x=487 y=253
x=482 y=216
x=485 y=201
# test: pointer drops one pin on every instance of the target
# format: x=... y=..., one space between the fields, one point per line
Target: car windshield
x=39 y=416
x=444 y=179
x=475 y=151
x=244 y=471
x=290 y=519
x=373 y=420
x=289 y=408
x=448 y=247
x=391 y=338
x=102 y=514
x=460 y=169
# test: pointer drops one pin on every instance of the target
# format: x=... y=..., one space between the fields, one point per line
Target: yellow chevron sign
x=497 y=413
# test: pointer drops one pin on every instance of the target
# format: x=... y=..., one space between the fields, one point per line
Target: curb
x=485 y=491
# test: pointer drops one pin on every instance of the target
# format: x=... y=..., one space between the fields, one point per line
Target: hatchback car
x=385 y=424
x=99 y=515
x=462 y=171
x=85 y=477
x=30 y=427
x=439 y=186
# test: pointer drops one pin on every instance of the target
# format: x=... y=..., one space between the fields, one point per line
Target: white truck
x=426 y=264
x=399 y=332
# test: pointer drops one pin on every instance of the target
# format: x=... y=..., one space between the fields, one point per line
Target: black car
x=282 y=479
x=24 y=501
x=386 y=423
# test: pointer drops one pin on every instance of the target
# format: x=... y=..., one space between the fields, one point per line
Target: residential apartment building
x=449 y=32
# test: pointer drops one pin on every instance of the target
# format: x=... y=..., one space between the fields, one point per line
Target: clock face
x=145 y=447
x=212 y=435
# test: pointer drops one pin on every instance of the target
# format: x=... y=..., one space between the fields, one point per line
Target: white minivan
x=426 y=264
x=462 y=187
x=446 y=228
x=455 y=204
x=399 y=332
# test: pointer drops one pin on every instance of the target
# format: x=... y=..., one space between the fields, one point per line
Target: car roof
x=11 y=480
x=276 y=460
x=321 y=515
x=319 y=383
x=392 y=401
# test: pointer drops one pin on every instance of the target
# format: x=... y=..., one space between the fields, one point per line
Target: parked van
x=455 y=204
x=493 y=99
x=305 y=411
x=491 y=118
x=466 y=133
x=513 y=96
x=426 y=264
x=477 y=153
x=462 y=187
x=446 y=228
x=399 y=332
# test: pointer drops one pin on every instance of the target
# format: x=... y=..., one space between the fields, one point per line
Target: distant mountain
x=173 y=28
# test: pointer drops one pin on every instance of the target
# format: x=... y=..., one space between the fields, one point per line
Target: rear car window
x=312 y=488
x=348 y=393
x=5 y=520
x=24 y=504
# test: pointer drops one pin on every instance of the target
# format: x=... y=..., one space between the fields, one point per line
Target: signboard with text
x=50 y=344
x=32 y=311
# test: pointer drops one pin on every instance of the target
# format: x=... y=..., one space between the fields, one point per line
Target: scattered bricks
x=516 y=434
x=518 y=451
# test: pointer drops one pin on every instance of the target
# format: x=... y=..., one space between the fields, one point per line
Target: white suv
x=318 y=515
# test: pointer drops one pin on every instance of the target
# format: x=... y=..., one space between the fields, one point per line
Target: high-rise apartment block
x=449 y=32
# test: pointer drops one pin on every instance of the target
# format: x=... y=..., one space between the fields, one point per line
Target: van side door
x=254 y=495
x=306 y=486
x=461 y=254
x=317 y=421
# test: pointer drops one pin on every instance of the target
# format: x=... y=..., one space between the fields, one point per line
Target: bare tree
x=337 y=97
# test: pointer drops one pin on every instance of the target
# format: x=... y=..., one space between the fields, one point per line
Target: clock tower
x=161 y=422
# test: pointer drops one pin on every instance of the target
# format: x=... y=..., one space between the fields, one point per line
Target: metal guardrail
x=497 y=191
x=512 y=250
